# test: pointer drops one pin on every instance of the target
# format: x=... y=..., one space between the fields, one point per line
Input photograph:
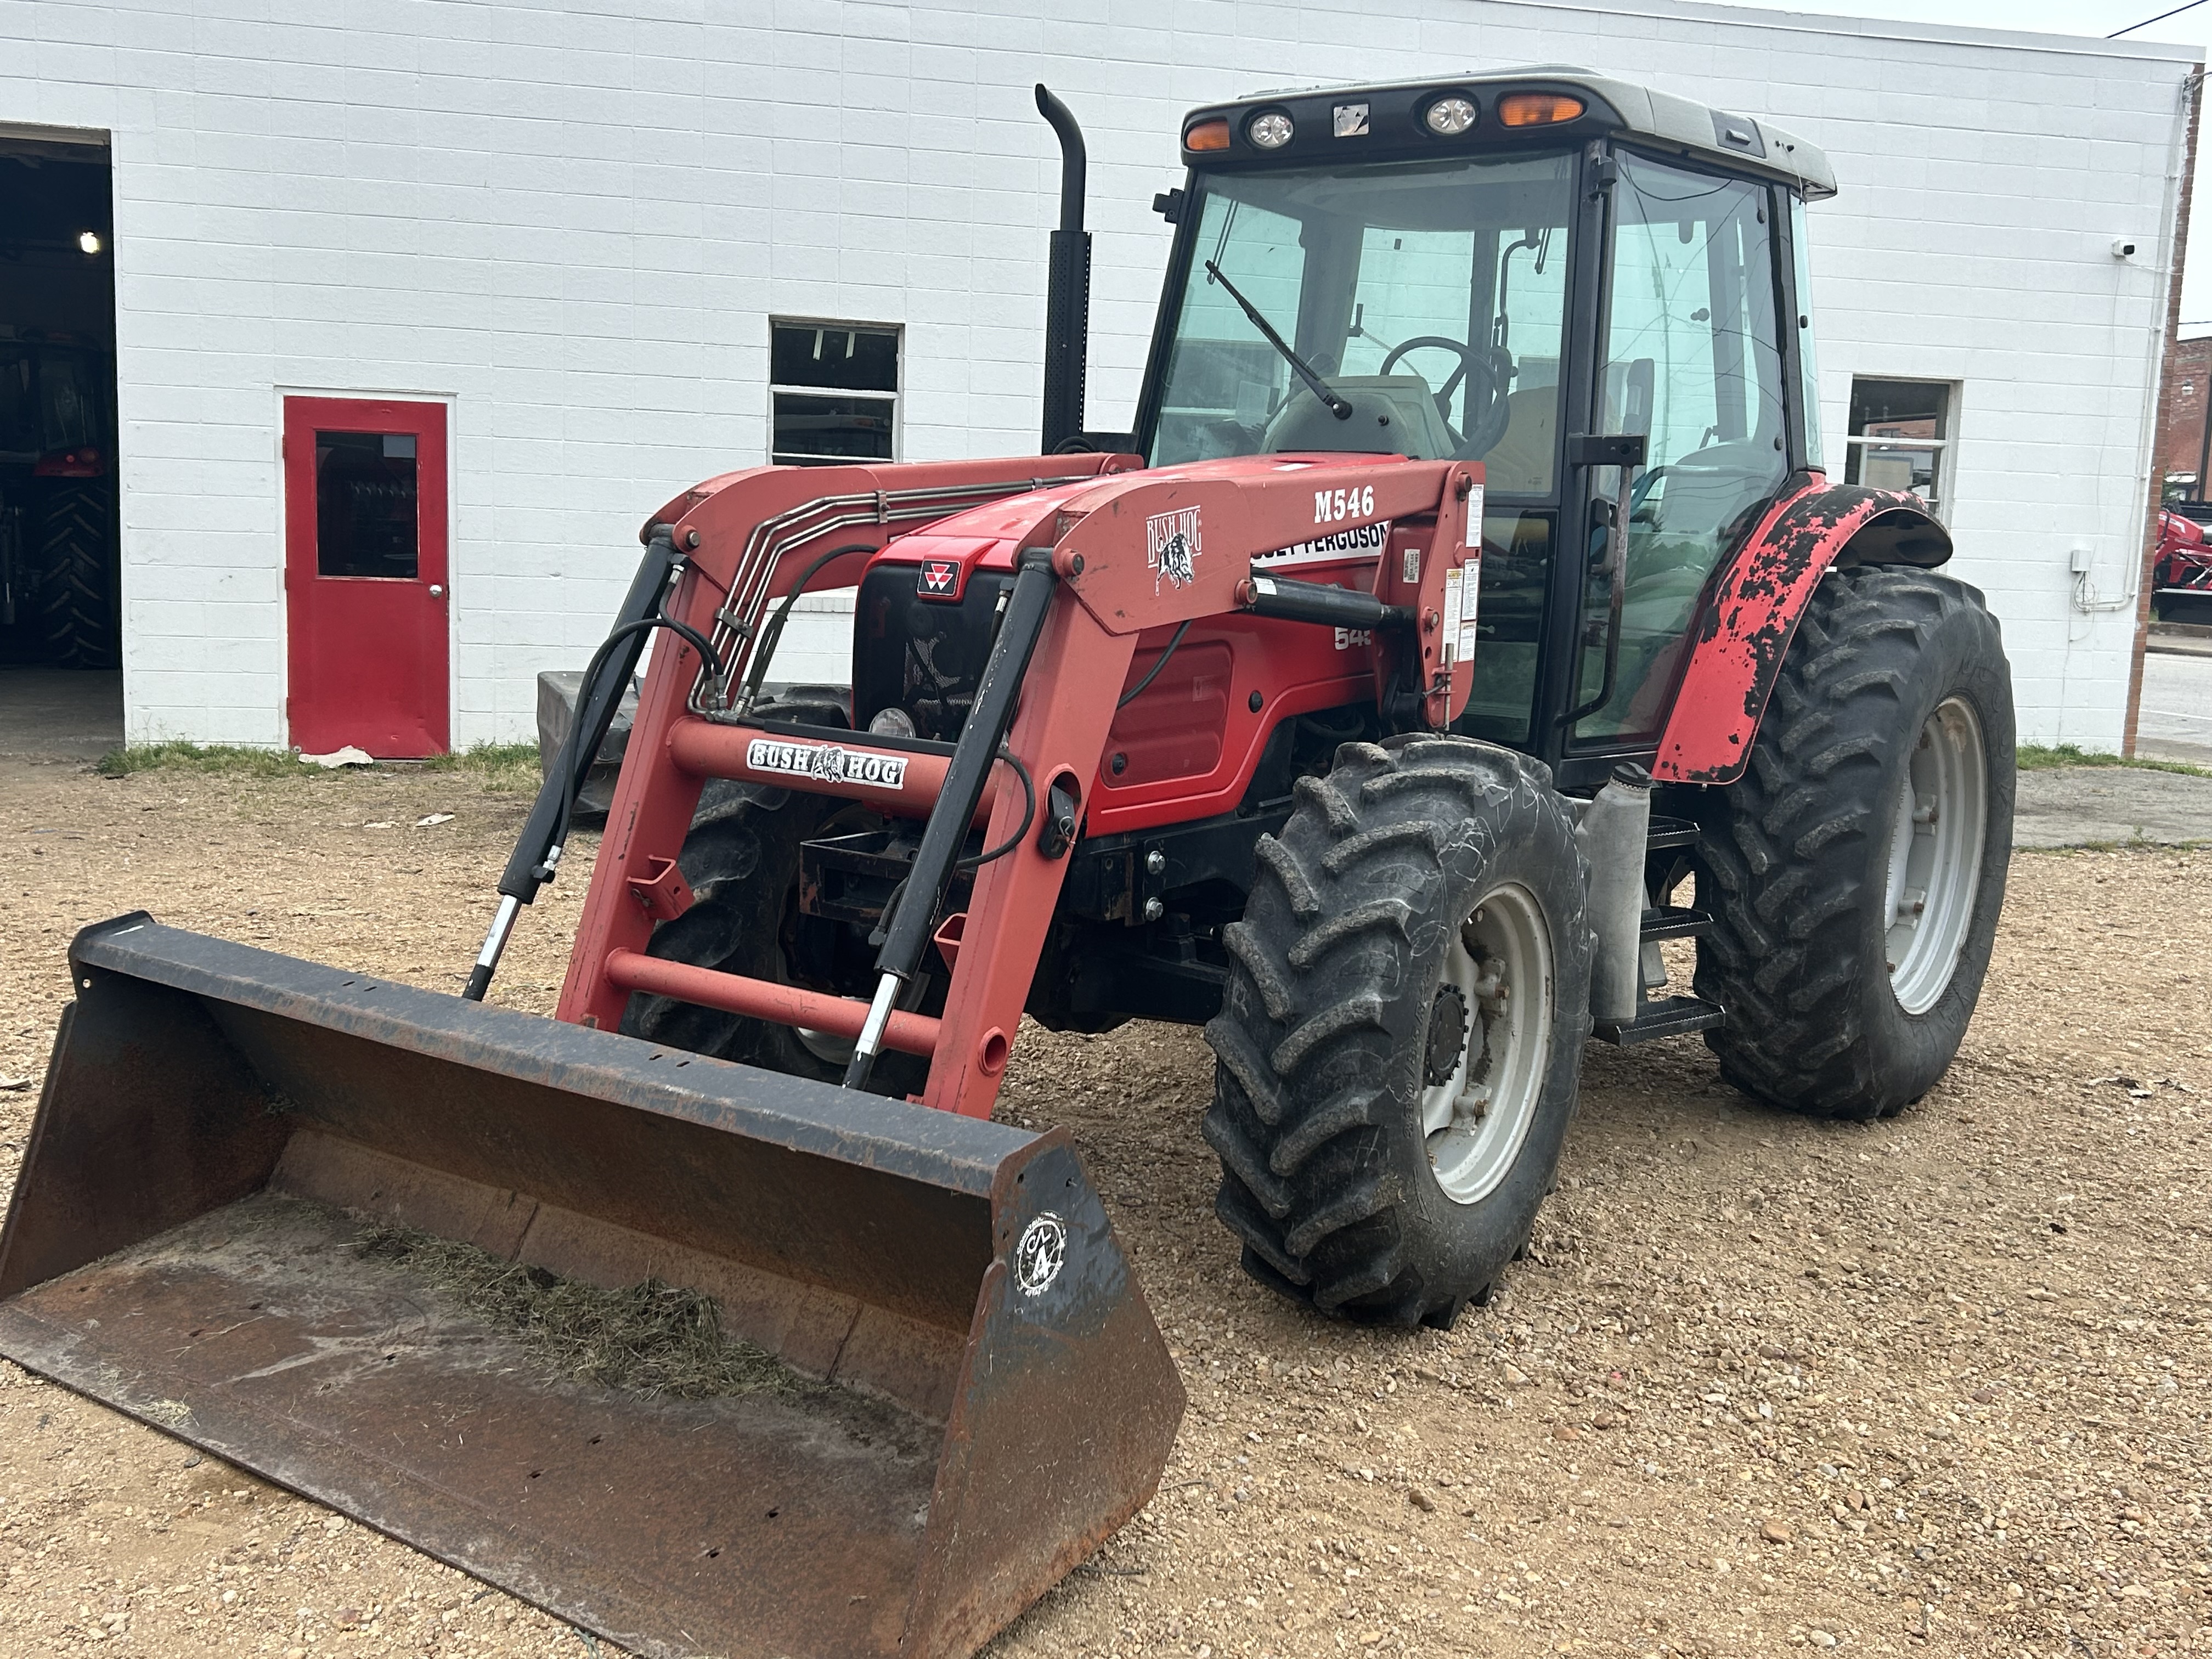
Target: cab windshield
x=1428 y=298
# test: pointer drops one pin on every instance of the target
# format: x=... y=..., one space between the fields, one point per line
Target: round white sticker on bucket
x=1040 y=1254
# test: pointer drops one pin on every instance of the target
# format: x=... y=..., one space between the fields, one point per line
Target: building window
x=833 y=392
x=1900 y=437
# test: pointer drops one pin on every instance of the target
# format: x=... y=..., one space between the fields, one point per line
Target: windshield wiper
x=1315 y=383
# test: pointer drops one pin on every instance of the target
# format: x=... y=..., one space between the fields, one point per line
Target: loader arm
x=1128 y=552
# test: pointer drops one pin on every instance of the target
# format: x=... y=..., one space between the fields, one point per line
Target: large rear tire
x=77 y=602
x=1401 y=1033
x=1856 y=870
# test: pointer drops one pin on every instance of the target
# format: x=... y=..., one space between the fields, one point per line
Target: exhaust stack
x=1067 y=295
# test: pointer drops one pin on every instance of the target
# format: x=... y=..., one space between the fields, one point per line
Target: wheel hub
x=1934 y=855
x=1488 y=1051
x=1447 y=1037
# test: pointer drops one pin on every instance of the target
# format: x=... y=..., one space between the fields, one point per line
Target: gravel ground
x=1932 y=1386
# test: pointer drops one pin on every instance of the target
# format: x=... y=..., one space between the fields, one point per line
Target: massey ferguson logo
x=940 y=579
x=827 y=762
x=1171 y=547
x=1362 y=541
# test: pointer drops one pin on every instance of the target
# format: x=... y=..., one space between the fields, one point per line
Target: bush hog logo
x=939 y=579
x=827 y=762
x=1171 y=547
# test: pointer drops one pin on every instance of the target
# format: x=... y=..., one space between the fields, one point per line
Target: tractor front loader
x=1370 y=718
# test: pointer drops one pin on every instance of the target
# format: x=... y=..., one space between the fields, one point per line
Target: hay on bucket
x=653 y=1339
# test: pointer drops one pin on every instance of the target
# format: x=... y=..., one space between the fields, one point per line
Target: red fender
x=1745 y=625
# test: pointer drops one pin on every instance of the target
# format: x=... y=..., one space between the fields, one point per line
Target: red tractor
x=2182 y=568
x=1469 y=581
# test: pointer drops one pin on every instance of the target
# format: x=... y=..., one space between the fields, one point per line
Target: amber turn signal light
x=1537 y=109
x=1206 y=135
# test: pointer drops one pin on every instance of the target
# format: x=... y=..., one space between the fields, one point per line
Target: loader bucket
x=955 y=1389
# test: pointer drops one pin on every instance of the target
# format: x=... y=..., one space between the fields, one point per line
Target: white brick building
x=572 y=227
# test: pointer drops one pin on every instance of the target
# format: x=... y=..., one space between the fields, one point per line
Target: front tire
x=1856 y=872
x=1401 y=1033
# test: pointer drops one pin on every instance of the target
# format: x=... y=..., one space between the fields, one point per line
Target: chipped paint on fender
x=1745 y=628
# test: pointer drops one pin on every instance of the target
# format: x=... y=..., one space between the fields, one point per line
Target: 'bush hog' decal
x=1171 y=547
x=827 y=760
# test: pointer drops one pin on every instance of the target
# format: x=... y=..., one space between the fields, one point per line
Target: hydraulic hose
x=537 y=850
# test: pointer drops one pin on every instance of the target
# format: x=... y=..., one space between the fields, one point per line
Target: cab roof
x=1328 y=125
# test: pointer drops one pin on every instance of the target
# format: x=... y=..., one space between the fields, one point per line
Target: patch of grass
x=496 y=765
x=499 y=765
x=2042 y=758
x=195 y=757
x=652 y=1338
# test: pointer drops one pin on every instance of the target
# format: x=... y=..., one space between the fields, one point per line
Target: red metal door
x=365 y=576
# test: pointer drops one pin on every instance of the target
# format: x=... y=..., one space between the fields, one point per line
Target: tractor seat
x=1521 y=461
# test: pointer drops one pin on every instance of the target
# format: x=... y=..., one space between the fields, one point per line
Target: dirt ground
x=1933 y=1386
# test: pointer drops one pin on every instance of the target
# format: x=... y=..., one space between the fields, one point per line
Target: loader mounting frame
x=747 y=541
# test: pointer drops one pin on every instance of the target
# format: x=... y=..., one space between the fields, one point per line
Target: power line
x=2160 y=18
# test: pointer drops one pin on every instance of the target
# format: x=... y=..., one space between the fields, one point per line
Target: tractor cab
x=1503 y=268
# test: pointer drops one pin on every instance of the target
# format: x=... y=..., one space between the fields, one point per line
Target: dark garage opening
x=59 y=538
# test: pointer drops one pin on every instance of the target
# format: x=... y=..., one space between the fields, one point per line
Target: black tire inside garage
x=76 y=603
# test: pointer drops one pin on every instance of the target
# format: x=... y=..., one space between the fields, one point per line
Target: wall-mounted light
x=88 y=241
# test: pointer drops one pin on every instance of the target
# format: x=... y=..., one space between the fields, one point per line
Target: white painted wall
x=575 y=226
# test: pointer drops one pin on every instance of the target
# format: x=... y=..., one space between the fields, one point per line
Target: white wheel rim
x=1500 y=963
x=1935 y=856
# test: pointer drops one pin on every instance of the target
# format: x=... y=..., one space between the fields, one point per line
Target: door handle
x=437 y=592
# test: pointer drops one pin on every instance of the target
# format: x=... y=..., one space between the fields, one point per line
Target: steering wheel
x=1488 y=389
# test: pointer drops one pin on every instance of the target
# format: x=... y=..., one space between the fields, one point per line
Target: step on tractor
x=1467 y=614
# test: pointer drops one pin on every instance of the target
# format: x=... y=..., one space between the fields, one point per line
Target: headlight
x=892 y=722
x=1269 y=130
x=1448 y=117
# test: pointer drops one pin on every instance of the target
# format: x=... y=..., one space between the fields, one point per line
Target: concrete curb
x=2101 y=805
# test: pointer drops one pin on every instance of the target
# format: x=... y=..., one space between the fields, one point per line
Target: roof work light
x=1449 y=116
